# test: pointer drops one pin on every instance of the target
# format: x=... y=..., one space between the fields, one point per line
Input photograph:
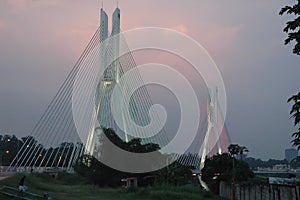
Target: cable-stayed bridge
x=72 y=123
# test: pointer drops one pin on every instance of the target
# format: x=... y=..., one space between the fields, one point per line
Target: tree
x=295 y=114
x=235 y=149
x=292 y=28
x=103 y=175
x=174 y=174
x=9 y=147
x=219 y=168
x=134 y=145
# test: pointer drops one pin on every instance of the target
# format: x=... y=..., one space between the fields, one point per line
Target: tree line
x=28 y=152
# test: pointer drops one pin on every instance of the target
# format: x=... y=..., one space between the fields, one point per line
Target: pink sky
x=40 y=40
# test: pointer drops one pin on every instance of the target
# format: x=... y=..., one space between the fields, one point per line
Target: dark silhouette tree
x=103 y=175
x=234 y=150
x=9 y=147
x=174 y=174
x=292 y=27
x=295 y=114
x=219 y=168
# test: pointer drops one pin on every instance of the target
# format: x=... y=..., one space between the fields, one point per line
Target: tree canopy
x=102 y=175
x=235 y=149
x=220 y=168
x=295 y=114
x=292 y=27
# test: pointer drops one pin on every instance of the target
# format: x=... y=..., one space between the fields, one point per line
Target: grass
x=74 y=187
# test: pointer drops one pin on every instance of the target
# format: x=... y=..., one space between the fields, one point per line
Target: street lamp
x=3 y=151
x=7 y=146
x=2 y=156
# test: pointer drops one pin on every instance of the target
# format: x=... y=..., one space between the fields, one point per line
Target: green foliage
x=295 y=114
x=134 y=145
x=9 y=146
x=292 y=27
x=78 y=190
x=166 y=192
x=102 y=175
x=174 y=174
x=220 y=168
x=98 y=173
x=235 y=149
x=255 y=163
x=295 y=110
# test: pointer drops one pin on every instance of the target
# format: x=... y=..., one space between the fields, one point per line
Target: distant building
x=280 y=168
x=290 y=154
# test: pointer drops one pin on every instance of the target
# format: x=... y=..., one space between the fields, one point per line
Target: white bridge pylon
x=55 y=141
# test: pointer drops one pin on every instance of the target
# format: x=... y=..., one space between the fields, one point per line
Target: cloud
x=181 y=28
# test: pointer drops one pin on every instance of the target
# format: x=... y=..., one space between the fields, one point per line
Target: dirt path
x=5 y=175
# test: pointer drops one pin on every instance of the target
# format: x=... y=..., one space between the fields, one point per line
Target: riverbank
x=74 y=187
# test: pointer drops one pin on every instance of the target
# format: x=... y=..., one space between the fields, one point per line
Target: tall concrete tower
x=116 y=22
x=103 y=25
x=116 y=42
x=110 y=78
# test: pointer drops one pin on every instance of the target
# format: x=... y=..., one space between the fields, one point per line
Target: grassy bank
x=73 y=187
